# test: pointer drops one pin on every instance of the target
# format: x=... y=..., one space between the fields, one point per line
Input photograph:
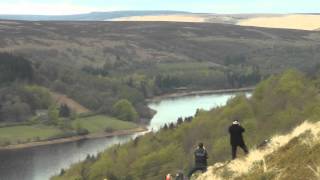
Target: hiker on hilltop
x=236 y=139
x=201 y=157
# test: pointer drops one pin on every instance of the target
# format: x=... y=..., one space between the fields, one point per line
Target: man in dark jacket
x=201 y=157
x=236 y=138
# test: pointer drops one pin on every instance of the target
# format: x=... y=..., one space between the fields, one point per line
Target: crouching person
x=201 y=157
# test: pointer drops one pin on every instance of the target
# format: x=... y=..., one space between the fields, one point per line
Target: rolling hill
x=287 y=21
x=93 y=16
x=76 y=44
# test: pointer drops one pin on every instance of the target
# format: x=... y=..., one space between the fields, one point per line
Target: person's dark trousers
x=234 y=149
x=195 y=169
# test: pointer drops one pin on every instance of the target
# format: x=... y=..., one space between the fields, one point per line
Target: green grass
x=24 y=133
x=99 y=123
x=27 y=133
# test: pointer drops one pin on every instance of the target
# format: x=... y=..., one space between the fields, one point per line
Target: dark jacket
x=236 y=134
x=201 y=156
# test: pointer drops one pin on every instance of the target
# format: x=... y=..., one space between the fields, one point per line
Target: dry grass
x=242 y=166
x=75 y=106
x=303 y=22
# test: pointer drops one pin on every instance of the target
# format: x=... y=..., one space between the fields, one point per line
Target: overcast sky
x=62 y=7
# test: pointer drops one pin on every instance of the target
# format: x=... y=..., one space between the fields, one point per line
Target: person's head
x=236 y=122
x=200 y=145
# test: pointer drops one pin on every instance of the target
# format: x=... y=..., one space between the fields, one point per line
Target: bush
x=82 y=131
x=4 y=142
x=124 y=110
x=109 y=130
x=66 y=134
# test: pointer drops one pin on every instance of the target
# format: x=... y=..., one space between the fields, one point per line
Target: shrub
x=109 y=130
x=82 y=131
x=124 y=110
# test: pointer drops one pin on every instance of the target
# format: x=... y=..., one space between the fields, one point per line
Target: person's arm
x=242 y=129
x=206 y=154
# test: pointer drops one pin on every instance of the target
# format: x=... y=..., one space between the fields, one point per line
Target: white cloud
x=27 y=8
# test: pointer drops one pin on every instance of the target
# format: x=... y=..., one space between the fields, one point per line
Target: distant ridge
x=94 y=16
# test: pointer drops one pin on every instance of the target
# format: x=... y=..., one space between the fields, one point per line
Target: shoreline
x=200 y=92
x=73 y=139
x=120 y=132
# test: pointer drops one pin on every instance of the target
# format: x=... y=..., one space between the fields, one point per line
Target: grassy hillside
x=278 y=104
x=290 y=156
x=131 y=60
x=94 y=43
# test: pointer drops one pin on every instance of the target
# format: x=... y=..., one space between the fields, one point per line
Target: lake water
x=40 y=163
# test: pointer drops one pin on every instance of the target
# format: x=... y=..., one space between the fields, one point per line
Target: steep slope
x=277 y=105
x=291 y=156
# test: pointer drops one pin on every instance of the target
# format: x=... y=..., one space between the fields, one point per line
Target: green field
x=99 y=123
x=26 y=133
x=95 y=124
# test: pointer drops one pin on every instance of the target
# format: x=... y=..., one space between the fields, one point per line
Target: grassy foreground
x=32 y=133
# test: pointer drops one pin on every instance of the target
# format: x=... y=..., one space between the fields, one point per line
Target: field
x=25 y=133
x=97 y=124
x=299 y=21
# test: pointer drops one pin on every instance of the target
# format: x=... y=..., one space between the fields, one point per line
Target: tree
x=16 y=111
x=64 y=111
x=180 y=121
x=124 y=110
x=14 y=68
x=53 y=115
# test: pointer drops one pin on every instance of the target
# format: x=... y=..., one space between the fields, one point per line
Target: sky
x=64 y=7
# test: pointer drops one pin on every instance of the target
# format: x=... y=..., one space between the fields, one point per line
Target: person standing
x=201 y=157
x=236 y=138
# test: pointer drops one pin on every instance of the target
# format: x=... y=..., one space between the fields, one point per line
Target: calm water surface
x=40 y=163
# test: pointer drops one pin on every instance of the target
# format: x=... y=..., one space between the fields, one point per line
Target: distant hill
x=94 y=16
x=292 y=21
x=93 y=43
